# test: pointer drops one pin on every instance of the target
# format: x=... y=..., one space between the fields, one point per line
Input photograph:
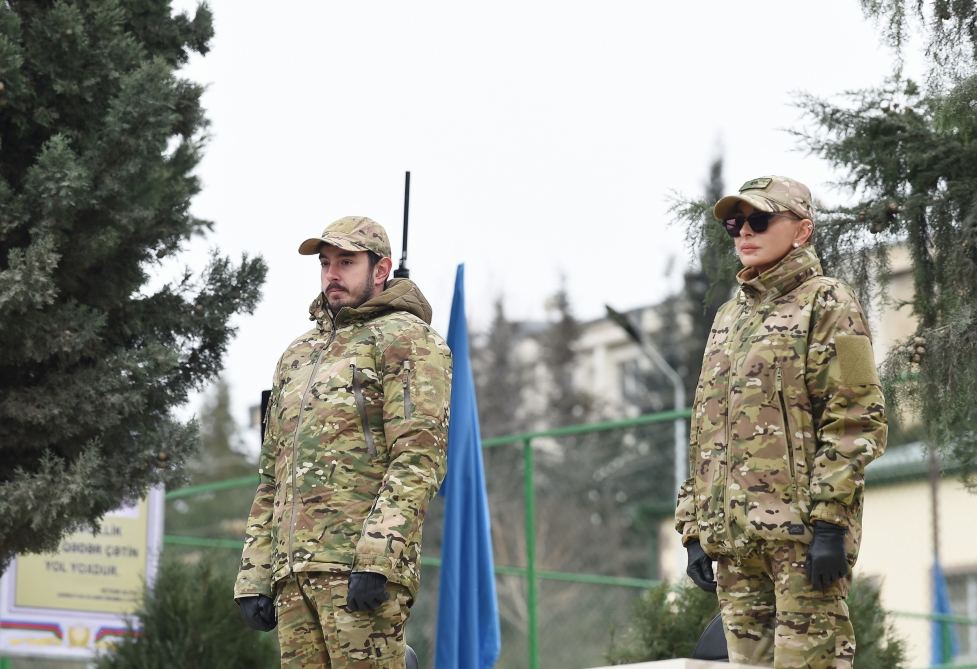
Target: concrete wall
x=898 y=549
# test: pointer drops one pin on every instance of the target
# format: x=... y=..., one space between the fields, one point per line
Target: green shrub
x=876 y=643
x=667 y=623
x=189 y=620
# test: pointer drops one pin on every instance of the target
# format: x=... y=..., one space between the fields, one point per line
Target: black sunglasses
x=758 y=220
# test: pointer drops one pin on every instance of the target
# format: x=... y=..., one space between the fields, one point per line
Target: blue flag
x=944 y=638
x=468 y=615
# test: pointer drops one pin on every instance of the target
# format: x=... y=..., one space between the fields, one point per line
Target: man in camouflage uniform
x=788 y=412
x=354 y=451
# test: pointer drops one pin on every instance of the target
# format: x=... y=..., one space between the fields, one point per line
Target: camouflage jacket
x=355 y=445
x=787 y=413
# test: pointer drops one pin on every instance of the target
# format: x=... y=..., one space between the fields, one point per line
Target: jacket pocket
x=360 y=400
x=408 y=403
x=788 y=436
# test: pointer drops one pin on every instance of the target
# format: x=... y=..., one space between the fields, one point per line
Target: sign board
x=76 y=600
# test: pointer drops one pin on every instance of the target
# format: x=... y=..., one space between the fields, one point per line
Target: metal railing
x=530 y=572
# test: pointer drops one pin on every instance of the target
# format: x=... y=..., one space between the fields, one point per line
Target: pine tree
x=501 y=377
x=221 y=455
x=566 y=404
x=710 y=281
x=189 y=620
x=217 y=513
x=910 y=156
x=99 y=138
x=949 y=26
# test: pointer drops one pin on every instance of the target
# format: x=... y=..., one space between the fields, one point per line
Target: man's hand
x=826 y=561
x=700 y=567
x=366 y=591
x=258 y=612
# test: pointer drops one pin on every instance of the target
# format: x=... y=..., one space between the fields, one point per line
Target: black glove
x=700 y=567
x=826 y=561
x=366 y=591
x=258 y=612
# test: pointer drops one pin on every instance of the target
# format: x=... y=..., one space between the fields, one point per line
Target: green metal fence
x=530 y=571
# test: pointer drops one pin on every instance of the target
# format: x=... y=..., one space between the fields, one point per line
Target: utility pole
x=938 y=582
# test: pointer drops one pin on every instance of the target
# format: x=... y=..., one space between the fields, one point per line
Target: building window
x=641 y=387
x=632 y=388
x=963 y=602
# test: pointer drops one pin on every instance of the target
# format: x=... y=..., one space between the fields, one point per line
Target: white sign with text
x=77 y=600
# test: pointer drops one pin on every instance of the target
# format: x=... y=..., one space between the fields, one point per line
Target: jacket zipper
x=295 y=438
x=727 y=509
x=371 y=447
x=408 y=410
x=790 y=441
x=408 y=406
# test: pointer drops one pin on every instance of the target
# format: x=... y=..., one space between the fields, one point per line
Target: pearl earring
x=796 y=245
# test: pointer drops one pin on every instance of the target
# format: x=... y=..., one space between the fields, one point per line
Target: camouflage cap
x=350 y=233
x=771 y=193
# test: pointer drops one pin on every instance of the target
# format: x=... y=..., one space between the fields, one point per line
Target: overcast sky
x=542 y=138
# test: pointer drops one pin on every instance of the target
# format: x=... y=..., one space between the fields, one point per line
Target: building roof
x=905 y=462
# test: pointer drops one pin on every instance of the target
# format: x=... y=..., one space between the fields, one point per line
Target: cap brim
x=724 y=208
x=310 y=246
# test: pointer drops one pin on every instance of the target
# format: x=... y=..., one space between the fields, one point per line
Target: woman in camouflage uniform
x=787 y=414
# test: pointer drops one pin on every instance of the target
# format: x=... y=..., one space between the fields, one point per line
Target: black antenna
x=402 y=272
x=265 y=399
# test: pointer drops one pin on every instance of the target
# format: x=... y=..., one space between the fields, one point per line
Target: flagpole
x=934 y=483
x=530 y=524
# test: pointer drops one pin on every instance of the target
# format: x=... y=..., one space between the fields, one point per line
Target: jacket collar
x=793 y=269
x=399 y=295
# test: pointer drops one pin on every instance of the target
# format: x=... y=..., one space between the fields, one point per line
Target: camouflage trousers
x=316 y=631
x=774 y=617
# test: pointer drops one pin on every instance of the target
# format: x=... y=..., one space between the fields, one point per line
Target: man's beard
x=350 y=299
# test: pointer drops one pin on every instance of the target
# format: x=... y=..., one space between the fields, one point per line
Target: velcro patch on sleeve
x=855 y=360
